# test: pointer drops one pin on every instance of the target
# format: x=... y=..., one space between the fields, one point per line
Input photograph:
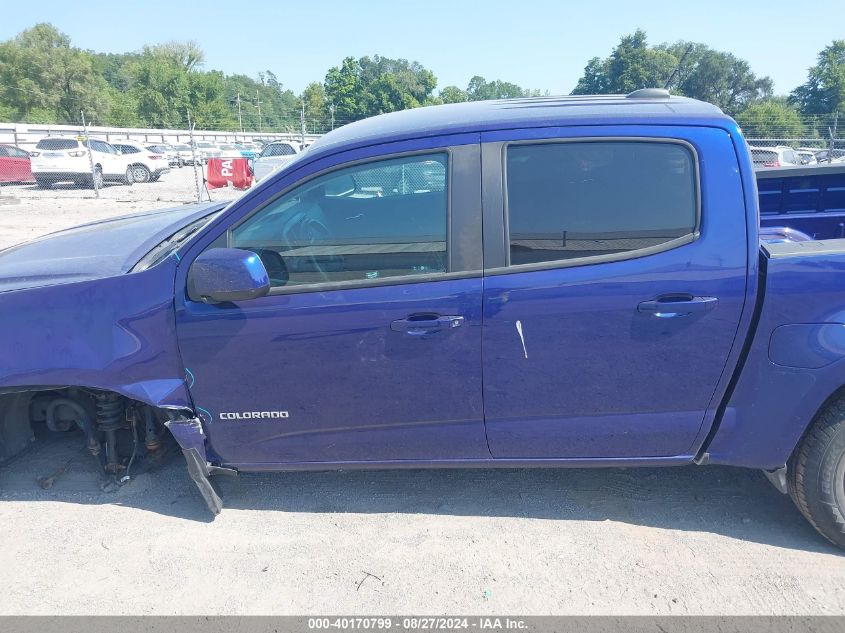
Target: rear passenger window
x=366 y=222
x=56 y=144
x=599 y=198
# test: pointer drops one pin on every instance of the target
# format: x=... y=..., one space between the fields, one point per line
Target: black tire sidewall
x=821 y=486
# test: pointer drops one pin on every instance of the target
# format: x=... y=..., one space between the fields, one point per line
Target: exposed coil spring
x=109 y=412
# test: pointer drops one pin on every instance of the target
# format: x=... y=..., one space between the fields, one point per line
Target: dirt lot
x=673 y=541
x=27 y=211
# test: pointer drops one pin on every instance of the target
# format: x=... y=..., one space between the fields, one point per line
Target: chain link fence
x=70 y=174
x=64 y=158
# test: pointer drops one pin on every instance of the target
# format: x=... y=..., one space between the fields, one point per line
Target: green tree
x=771 y=118
x=165 y=85
x=631 y=65
x=316 y=108
x=824 y=91
x=716 y=77
x=690 y=69
x=43 y=76
x=453 y=94
x=479 y=89
x=374 y=85
x=343 y=89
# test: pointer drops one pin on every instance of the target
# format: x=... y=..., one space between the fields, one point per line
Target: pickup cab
x=549 y=282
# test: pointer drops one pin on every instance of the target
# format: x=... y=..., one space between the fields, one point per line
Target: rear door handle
x=669 y=306
x=417 y=324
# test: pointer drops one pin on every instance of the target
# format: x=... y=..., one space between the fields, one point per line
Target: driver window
x=370 y=221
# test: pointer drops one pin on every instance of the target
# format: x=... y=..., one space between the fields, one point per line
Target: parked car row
x=57 y=159
x=785 y=156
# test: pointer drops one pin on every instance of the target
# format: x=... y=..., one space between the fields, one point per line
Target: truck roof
x=651 y=106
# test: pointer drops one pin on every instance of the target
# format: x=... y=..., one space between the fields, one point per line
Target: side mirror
x=222 y=275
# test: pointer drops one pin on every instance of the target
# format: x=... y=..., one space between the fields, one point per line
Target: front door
x=616 y=302
x=368 y=348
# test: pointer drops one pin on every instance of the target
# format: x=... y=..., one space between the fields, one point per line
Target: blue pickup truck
x=549 y=282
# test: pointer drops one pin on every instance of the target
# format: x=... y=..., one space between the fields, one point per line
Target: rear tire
x=817 y=474
x=140 y=173
x=128 y=177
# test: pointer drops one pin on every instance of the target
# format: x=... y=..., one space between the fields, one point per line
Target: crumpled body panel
x=116 y=334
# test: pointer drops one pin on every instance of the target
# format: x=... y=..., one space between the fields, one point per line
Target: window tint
x=5 y=152
x=582 y=199
x=761 y=157
x=371 y=221
x=127 y=149
x=57 y=143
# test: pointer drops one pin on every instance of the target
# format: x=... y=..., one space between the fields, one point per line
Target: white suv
x=147 y=165
x=778 y=156
x=273 y=156
x=206 y=150
x=65 y=159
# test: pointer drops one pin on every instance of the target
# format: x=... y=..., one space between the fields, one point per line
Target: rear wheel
x=140 y=173
x=817 y=474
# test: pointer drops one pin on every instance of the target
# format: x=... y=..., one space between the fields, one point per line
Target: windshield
x=761 y=157
x=279 y=149
x=172 y=243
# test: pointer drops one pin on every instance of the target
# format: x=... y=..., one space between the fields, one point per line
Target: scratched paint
x=521 y=337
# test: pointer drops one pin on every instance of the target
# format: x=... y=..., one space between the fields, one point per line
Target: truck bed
x=806 y=199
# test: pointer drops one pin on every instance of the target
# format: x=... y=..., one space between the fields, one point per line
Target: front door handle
x=417 y=324
x=669 y=306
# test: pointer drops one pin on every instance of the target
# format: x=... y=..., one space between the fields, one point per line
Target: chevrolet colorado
x=550 y=282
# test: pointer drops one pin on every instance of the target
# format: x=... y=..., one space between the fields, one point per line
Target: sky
x=535 y=44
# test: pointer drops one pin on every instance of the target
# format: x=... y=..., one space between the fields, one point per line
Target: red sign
x=229 y=172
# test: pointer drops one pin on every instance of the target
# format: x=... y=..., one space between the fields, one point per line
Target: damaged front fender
x=189 y=434
x=114 y=334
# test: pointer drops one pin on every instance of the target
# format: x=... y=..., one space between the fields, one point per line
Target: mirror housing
x=223 y=275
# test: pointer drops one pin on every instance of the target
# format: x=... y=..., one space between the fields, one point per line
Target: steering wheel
x=312 y=231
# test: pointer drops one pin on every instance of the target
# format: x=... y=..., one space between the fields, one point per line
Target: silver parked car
x=273 y=156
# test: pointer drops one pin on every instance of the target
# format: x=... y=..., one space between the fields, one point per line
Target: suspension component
x=81 y=417
x=151 y=439
x=110 y=418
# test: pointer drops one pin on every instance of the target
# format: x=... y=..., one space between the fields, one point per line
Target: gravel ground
x=27 y=211
x=639 y=541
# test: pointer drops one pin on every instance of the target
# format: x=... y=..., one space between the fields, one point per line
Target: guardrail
x=26 y=135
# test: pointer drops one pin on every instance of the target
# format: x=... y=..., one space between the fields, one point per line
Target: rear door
x=21 y=162
x=616 y=277
x=368 y=347
x=7 y=165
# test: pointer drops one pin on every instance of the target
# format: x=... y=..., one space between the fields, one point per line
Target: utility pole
x=240 y=120
x=302 y=123
x=194 y=155
x=331 y=109
x=258 y=105
x=90 y=156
